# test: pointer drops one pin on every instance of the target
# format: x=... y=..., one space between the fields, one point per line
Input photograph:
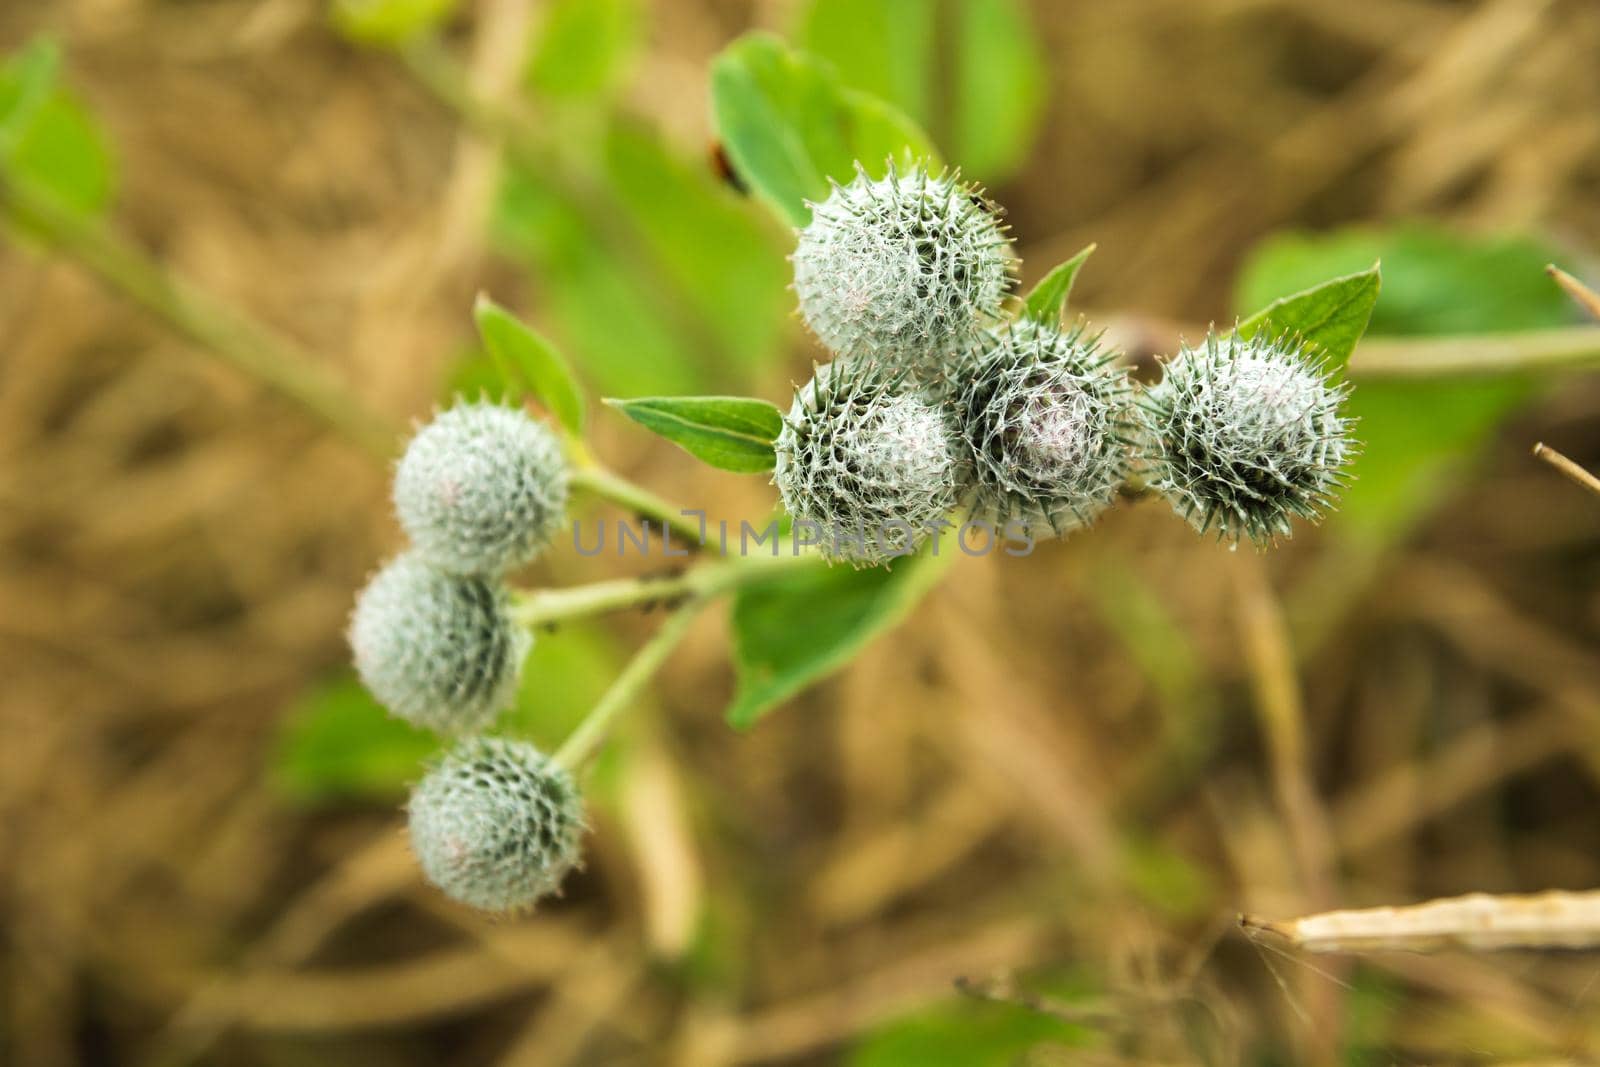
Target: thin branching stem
x=254 y=349
x=591 y=478
x=1561 y=348
x=586 y=739
x=235 y=338
x=547 y=607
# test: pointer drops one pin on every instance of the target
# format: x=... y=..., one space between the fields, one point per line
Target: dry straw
x=1478 y=921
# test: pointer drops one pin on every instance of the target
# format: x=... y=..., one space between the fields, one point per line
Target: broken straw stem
x=1479 y=922
x=1567 y=467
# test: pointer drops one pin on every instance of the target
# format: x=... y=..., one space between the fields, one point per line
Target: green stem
x=547 y=606
x=704 y=582
x=591 y=478
x=1564 y=348
x=270 y=358
x=591 y=732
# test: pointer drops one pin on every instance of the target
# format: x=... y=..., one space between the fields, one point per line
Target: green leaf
x=886 y=48
x=27 y=82
x=1419 y=436
x=1375 y=1007
x=338 y=742
x=734 y=433
x=1419 y=439
x=583 y=46
x=1001 y=87
x=1330 y=318
x=563 y=677
x=975 y=1034
x=1048 y=301
x=527 y=357
x=473 y=372
x=1435 y=280
x=798 y=628
x=788 y=125
x=390 y=22
x=654 y=277
x=600 y=304
x=979 y=80
x=721 y=259
x=47 y=138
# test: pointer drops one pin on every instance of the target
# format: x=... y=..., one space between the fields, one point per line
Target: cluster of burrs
x=479 y=492
x=936 y=403
x=937 y=400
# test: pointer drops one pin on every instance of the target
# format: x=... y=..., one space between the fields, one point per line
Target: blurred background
x=1019 y=828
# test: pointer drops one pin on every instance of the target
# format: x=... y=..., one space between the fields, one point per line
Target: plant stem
x=1568 y=347
x=1586 y=297
x=591 y=732
x=580 y=602
x=591 y=478
x=704 y=582
x=1561 y=463
x=247 y=345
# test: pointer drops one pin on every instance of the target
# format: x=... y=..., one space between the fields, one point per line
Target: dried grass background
x=178 y=553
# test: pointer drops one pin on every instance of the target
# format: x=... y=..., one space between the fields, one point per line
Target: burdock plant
x=870 y=463
x=481 y=489
x=904 y=270
x=496 y=824
x=440 y=650
x=1245 y=436
x=942 y=407
x=1049 y=418
x=943 y=404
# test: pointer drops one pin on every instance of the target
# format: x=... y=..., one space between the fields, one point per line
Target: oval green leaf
x=734 y=433
x=796 y=629
x=339 y=742
x=584 y=47
x=530 y=362
x=1330 y=317
x=973 y=69
x=48 y=140
x=1048 y=300
x=1418 y=436
x=788 y=125
x=390 y=23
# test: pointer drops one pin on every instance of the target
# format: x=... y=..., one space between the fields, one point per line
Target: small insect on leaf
x=722 y=168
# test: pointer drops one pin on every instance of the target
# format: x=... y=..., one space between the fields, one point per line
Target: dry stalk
x=1586 y=297
x=1478 y=921
x=1567 y=467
